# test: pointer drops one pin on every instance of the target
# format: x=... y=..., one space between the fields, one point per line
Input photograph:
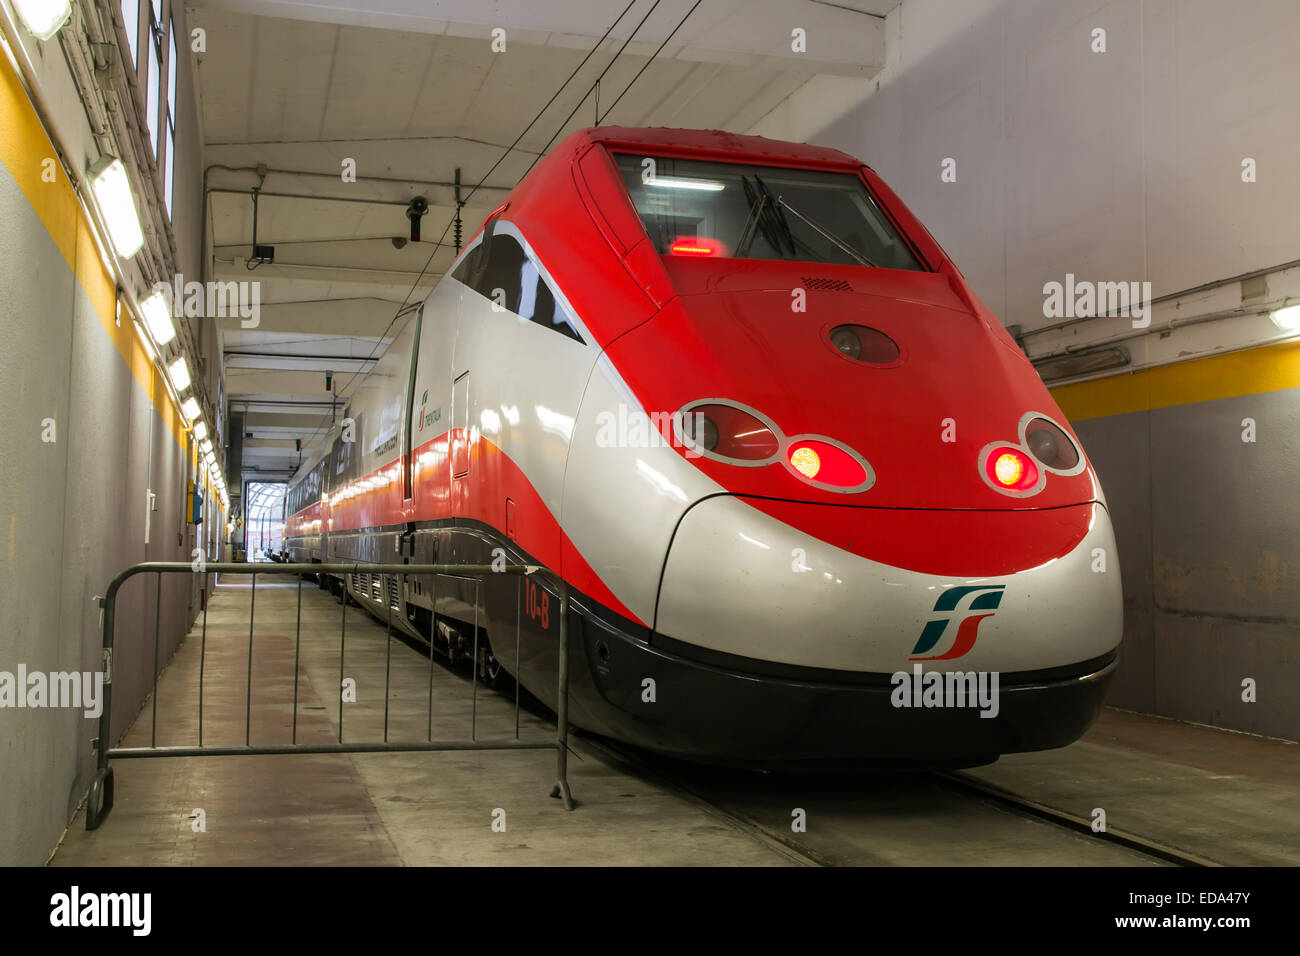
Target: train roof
x=713 y=142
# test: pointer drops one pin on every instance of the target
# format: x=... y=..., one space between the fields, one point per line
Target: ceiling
x=412 y=90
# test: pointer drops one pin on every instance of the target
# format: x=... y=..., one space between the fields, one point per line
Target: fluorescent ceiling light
x=200 y=431
x=190 y=408
x=1286 y=318
x=206 y=445
x=117 y=205
x=676 y=182
x=179 y=373
x=158 y=317
x=43 y=18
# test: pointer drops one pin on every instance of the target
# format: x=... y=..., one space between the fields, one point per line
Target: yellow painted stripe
x=24 y=149
x=1269 y=368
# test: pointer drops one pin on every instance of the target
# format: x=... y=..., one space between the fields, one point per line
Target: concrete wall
x=74 y=508
x=74 y=516
x=1206 y=524
x=1119 y=166
x=1123 y=164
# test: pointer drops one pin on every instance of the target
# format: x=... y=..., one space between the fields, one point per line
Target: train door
x=408 y=430
x=460 y=427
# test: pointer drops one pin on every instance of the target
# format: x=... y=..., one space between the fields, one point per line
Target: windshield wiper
x=861 y=258
x=782 y=232
x=757 y=203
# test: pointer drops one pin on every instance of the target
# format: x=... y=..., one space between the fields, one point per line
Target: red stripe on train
x=376 y=499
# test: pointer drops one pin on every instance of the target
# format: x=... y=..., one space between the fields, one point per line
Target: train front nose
x=809 y=629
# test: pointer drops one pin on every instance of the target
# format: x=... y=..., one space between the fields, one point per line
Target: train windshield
x=727 y=210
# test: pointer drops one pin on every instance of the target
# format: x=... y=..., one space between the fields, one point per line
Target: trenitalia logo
x=984 y=597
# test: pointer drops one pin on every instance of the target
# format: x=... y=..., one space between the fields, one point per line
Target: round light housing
x=1010 y=469
x=1050 y=445
x=728 y=432
x=863 y=344
x=825 y=464
x=708 y=430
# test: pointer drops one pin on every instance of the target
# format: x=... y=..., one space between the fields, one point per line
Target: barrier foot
x=561 y=790
x=99 y=801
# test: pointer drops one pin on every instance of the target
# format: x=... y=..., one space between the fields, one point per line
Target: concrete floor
x=1229 y=797
x=419 y=808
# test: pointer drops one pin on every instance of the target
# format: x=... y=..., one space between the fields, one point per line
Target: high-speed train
x=788 y=464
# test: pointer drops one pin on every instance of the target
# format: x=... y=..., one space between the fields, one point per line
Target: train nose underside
x=796 y=636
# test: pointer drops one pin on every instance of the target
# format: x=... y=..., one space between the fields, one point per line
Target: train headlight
x=846 y=342
x=863 y=344
x=736 y=434
x=728 y=433
x=1050 y=445
x=707 y=428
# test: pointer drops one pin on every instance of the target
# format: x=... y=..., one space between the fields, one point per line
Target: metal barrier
x=99 y=801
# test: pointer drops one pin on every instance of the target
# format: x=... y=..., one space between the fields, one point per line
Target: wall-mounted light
x=179 y=373
x=1286 y=318
x=158 y=317
x=190 y=408
x=43 y=18
x=200 y=431
x=1081 y=363
x=117 y=205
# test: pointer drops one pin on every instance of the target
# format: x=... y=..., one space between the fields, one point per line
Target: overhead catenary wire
x=594 y=86
x=600 y=117
x=404 y=307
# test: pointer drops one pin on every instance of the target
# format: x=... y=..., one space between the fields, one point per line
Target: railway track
x=1070 y=821
x=798 y=852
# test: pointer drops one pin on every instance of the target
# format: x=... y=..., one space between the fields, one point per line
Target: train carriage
x=788 y=464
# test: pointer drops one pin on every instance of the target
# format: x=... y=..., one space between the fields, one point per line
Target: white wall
x=1116 y=166
x=75 y=506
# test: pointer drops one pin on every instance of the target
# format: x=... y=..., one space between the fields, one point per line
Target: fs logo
x=987 y=597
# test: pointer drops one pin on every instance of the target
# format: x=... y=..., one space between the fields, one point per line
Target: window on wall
x=131 y=20
x=152 y=85
x=169 y=161
x=171 y=74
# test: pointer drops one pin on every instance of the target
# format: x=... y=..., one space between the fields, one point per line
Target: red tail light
x=825 y=463
x=737 y=434
x=694 y=246
x=1011 y=469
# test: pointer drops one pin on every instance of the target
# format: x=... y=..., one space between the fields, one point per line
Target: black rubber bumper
x=687 y=702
